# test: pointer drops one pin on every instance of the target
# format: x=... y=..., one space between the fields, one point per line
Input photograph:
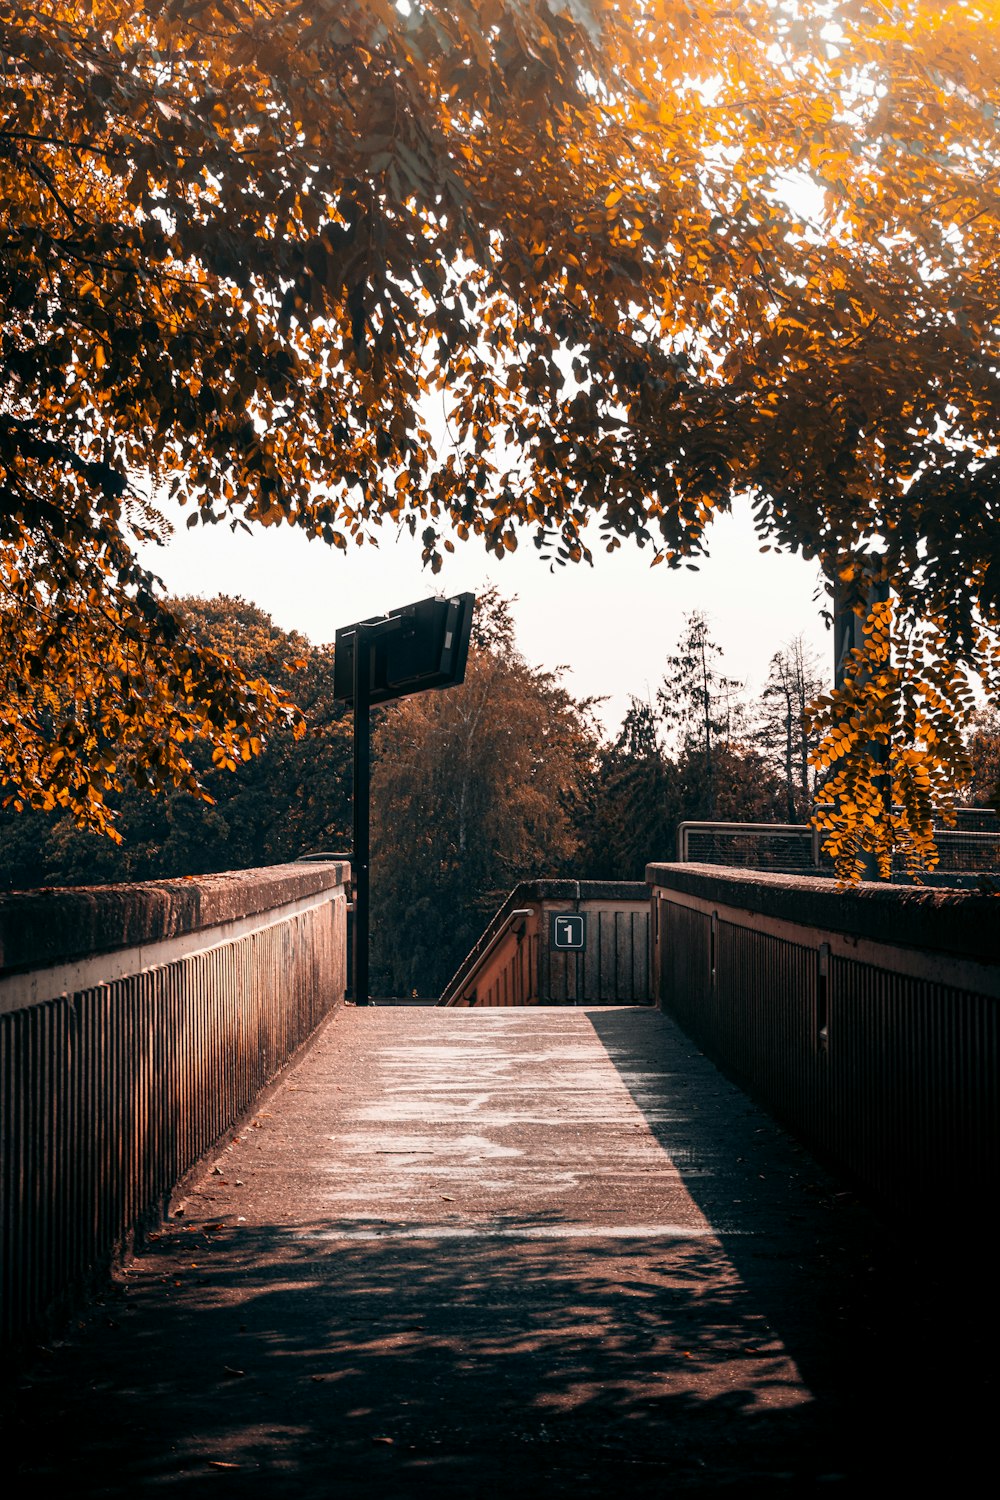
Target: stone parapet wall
x=55 y=926
x=866 y=1019
x=122 y=1065
x=934 y=919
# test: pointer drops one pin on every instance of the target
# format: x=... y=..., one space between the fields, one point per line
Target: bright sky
x=612 y=625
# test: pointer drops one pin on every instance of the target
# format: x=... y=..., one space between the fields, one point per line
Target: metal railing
x=794 y=845
x=971 y=848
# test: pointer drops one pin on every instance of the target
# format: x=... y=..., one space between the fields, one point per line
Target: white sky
x=611 y=626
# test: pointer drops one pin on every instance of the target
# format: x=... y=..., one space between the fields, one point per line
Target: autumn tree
x=291 y=798
x=890 y=748
x=649 y=257
x=473 y=789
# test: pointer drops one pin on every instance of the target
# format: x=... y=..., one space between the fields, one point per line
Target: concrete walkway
x=487 y=1253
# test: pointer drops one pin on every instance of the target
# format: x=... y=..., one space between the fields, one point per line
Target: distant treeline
x=474 y=788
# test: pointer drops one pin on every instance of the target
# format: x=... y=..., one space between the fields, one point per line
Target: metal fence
x=973 y=845
x=969 y=849
x=109 y=1094
x=871 y=1031
x=782 y=848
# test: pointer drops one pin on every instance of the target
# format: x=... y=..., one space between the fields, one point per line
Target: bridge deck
x=466 y=1253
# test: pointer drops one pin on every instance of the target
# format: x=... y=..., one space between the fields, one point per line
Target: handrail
x=949 y=836
x=736 y=829
x=475 y=958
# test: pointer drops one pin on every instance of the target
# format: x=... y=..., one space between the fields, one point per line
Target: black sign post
x=423 y=645
x=362 y=798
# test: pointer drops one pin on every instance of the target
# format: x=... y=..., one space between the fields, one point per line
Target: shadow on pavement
x=510 y=1359
x=883 y=1325
x=281 y=1362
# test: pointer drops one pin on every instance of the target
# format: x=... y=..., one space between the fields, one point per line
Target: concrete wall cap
x=57 y=925
x=586 y=890
x=935 y=918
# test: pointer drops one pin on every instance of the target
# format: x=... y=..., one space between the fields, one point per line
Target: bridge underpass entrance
x=482 y=1252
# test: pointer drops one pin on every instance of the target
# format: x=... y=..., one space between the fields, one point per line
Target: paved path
x=485 y=1253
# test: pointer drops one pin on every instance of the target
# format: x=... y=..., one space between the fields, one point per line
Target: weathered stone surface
x=39 y=928
x=937 y=919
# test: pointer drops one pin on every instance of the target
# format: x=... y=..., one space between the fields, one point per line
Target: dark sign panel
x=422 y=645
x=568 y=931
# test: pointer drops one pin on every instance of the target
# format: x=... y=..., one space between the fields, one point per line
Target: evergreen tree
x=700 y=708
x=636 y=803
x=782 y=732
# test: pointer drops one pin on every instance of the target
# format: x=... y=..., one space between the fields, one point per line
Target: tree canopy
x=643 y=257
x=293 y=798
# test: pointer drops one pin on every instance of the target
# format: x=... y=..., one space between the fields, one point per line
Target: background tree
x=635 y=803
x=291 y=798
x=700 y=708
x=745 y=790
x=243 y=244
x=983 y=789
x=687 y=754
x=473 y=789
x=782 y=731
